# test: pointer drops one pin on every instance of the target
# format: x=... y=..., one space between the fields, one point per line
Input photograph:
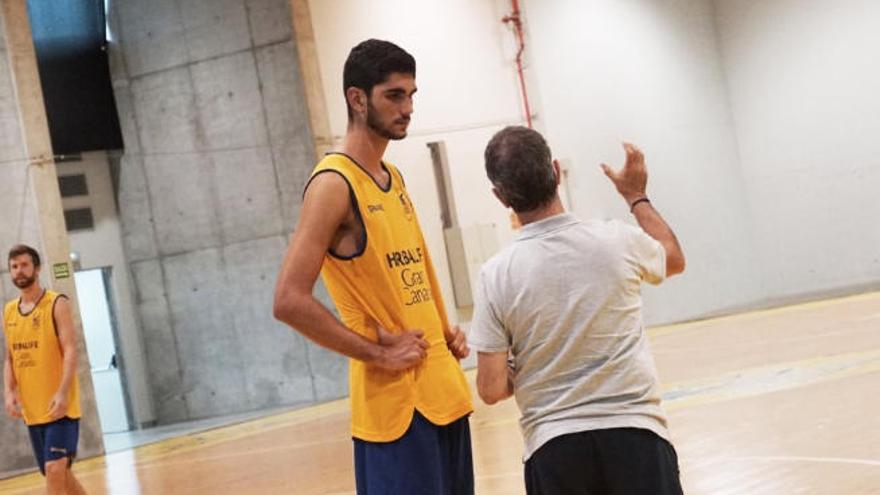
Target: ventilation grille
x=73 y=185
x=79 y=219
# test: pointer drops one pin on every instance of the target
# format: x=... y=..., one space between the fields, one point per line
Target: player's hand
x=632 y=180
x=58 y=406
x=401 y=350
x=12 y=405
x=456 y=341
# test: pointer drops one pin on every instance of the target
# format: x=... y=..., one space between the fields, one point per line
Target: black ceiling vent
x=70 y=40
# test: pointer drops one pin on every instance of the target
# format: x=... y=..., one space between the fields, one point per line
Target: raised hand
x=401 y=350
x=456 y=341
x=632 y=180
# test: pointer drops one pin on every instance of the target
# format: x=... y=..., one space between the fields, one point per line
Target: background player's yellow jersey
x=391 y=282
x=37 y=362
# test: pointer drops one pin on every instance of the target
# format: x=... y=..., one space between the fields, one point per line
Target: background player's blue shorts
x=427 y=460
x=53 y=441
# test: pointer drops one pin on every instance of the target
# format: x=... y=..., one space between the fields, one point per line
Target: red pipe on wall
x=516 y=18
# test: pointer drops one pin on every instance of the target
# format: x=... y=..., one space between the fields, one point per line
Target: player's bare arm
x=67 y=341
x=326 y=221
x=10 y=388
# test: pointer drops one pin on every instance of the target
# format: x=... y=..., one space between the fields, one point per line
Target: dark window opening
x=79 y=219
x=70 y=41
x=73 y=185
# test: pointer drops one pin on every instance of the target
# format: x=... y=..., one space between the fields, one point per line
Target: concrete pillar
x=44 y=183
x=311 y=74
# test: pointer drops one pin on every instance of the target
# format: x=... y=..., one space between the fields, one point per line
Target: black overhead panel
x=70 y=39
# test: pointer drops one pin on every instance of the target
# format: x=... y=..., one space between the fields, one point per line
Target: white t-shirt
x=564 y=298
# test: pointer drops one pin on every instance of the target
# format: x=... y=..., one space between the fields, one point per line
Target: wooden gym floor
x=782 y=401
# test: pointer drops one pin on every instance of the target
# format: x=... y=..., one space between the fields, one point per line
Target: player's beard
x=376 y=125
x=24 y=282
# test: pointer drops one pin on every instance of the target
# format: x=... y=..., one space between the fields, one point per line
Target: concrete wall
x=18 y=223
x=803 y=79
x=101 y=247
x=217 y=151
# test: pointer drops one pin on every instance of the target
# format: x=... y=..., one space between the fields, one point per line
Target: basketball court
x=767 y=402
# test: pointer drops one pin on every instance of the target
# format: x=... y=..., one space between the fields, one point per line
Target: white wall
x=649 y=72
x=757 y=119
x=467 y=92
x=804 y=78
x=101 y=247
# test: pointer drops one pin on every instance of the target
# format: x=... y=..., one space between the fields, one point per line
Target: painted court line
x=766 y=379
x=795 y=458
x=787 y=458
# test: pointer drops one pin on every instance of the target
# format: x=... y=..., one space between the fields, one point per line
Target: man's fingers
x=629 y=149
x=13 y=410
x=413 y=358
x=634 y=155
x=630 y=154
x=459 y=346
x=382 y=334
x=609 y=172
x=638 y=156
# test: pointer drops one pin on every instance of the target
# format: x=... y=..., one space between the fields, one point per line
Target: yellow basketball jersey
x=392 y=283
x=37 y=363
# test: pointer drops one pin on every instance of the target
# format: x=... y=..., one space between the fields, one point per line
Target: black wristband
x=632 y=206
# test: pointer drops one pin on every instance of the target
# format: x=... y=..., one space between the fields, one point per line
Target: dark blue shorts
x=427 y=460
x=53 y=441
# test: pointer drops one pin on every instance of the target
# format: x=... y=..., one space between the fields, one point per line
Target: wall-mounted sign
x=61 y=270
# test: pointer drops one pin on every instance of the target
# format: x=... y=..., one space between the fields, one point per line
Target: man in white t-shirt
x=557 y=323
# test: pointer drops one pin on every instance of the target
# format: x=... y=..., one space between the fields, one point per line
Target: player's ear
x=357 y=100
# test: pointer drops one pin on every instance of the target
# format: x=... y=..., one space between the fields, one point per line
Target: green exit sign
x=61 y=270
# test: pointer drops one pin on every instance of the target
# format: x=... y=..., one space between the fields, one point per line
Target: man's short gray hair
x=520 y=166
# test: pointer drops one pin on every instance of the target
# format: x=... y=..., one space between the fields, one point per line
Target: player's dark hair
x=20 y=249
x=370 y=63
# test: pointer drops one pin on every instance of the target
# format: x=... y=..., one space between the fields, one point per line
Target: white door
x=97 y=323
